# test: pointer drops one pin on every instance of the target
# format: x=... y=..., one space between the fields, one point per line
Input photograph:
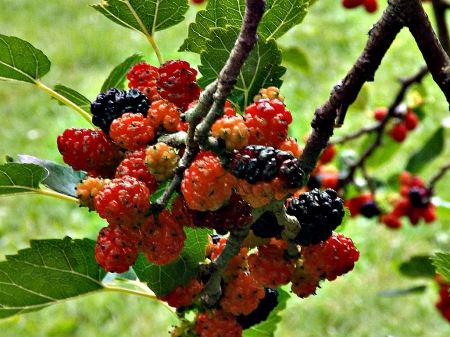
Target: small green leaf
x=262 y=68
x=442 y=263
x=20 y=61
x=73 y=96
x=144 y=16
x=20 y=178
x=280 y=16
x=381 y=156
x=401 y=292
x=60 y=178
x=429 y=151
x=163 y=279
x=269 y=326
x=218 y=14
x=118 y=75
x=296 y=58
x=48 y=272
x=418 y=266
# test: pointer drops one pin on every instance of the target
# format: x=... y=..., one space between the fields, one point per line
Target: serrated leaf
x=163 y=279
x=48 y=272
x=429 y=151
x=218 y=14
x=144 y=16
x=269 y=326
x=418 y=266
x=442 y=263
x=20 y=61
x=402 y=292
x=60 y=178
x=20 y=178
x=280 y=16
x=118 y=75
x=73 y=96
x=262 y=68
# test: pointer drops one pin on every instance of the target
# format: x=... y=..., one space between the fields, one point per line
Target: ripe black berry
x=369 y=209
x=256 y=163
x=319 y=213
x=266 y=226
x=418 y=197
x=114 y=103
x=235 y=214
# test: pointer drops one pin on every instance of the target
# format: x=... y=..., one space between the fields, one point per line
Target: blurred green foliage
x=84 y=47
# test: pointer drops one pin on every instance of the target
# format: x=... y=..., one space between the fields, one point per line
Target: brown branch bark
x=420 y=27
x=399 y=14
x=344 y=94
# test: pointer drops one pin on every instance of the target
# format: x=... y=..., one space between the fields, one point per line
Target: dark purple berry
x=319 y=213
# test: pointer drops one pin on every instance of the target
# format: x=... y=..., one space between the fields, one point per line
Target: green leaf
x=48 y=272
x=442 y=263
x=268 y=327
x=296 y=58
x=401 y=292
x=73 y=96
x=60 y=178
x=163 y=279
x=118 y=75
x=383 y=155
x=20 y=178
x=218 y=14
x=144 y=16
x=418 y=266
x=20 y=61
x=262 y=68
x=429 y=151
x=280 y=16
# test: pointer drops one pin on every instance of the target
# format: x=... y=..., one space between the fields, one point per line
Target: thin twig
x=442 y=170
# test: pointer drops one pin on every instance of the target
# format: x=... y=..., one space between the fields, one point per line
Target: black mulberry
x=319 y=213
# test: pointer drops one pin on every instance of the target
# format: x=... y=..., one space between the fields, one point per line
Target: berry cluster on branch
x=237 y=173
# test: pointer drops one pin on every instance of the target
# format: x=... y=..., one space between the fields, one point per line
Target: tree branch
x=344 y=94
x=420 y=27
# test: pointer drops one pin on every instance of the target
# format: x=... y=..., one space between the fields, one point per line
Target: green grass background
x=84 y=47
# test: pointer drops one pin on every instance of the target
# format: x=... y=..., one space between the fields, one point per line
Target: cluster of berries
x=126 y=163
x=370 y=5
x=443 y=303
x=363 y=204
x=252 y=277
x=414 y=203
x=405 y=121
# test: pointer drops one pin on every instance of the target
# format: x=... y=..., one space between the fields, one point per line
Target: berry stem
x=143 y=291
x=215 y=94
x=379 y=128
x=212 y=290
x=65 y=101
x=148 y=35
x=229 y=74
x=194 y=117
x=58 y=195
x=442 y=170
x=155 y=49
